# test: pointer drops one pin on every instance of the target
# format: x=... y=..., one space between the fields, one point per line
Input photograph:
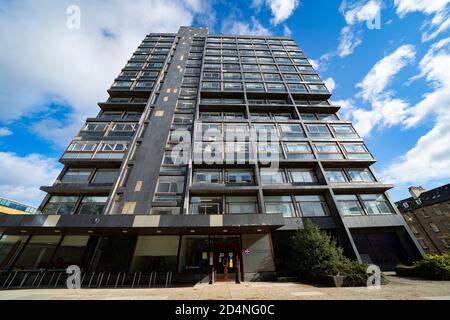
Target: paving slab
x=399 y=288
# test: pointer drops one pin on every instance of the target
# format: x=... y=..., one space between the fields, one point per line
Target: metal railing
x=21 y=279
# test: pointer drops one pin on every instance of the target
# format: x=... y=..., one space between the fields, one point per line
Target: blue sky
x=391 y=79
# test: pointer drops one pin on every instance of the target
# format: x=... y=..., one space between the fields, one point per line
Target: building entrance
x=225 y=255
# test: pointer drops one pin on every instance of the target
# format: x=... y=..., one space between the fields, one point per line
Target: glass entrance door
x=225 y=251
x=225 y=264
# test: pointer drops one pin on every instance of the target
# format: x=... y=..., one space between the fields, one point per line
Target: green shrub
x=316 y=254
x=435 y=267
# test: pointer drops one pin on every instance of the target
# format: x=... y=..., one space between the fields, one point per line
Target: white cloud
x=437 y=101
x=348 y=41
x=429 y=6
x=385 y=111
x=5 y=132
x=22 y=176
x=237 y=27
x=355 y=13
x=330 y=84
x=429 y=159
x=362 y=12
x=375 y=82
x=281 y=9
x=47 y=62
x=437 y=9
x=287 y=31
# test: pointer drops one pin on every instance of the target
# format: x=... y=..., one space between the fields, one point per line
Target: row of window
x=108 y=129
x=258 y=52
x=230 y=56
x=133 y=85
x=92 y=176
x=273 y=132
x=66 y=205
x=265 y=116
x=139 y=74
x=253 y=76
x=121 y=115
x=230 y=67
x=215 y=101
x=280 y=176
x=216 y=39
x=96 y=150
x=213 y=152
x=266 y=87
x=127 y=100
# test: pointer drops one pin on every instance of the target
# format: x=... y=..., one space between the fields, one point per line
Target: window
x=82 y=146
x=92 y=205
x=239 y=177
x=211 y=85
x=280 y=204
x=10 y=245
x=270 y=176
x=312 y=206
x=283 y=117
x=311 y=78
x=70 y=252
x=272 y=77
x=211 y=75
x=376 y=204
x=269 y=151
x=241 y=205
x=335 y=175
x=328 y=151
x=437 y=211
x=76 y=176
x=265 y=132
x=170 y=185
x=206 y=205
x=344 y=131
x=327 y=117
x=291 y=77
x=37 y=253
x=231 y=76
x=302 y=176
x=298 y=150
x=122 y=84
x=297 y=87
x=208 y=176
x=106 y=176
x=210 y=116
x=233 y=115
x=291 y=131
x=318 y=131
x=349 y=205
x=144 y=85
x=93 y=129
x=308 y=116
x=254 y=86
x=356 y=151
x=361 y=175
x=232 y=86
x=252 y=76
x=434 y=227
x=276 y=87
x=60 y=205
x=123 y=130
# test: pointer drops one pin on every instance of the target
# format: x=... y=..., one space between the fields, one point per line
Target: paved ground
x=398 y=288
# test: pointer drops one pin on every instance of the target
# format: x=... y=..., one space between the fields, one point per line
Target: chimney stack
x=416 y=191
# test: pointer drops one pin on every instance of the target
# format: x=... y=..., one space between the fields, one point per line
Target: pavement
x=399 y=288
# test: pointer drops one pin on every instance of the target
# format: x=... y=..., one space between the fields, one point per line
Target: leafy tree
x=316 y=254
